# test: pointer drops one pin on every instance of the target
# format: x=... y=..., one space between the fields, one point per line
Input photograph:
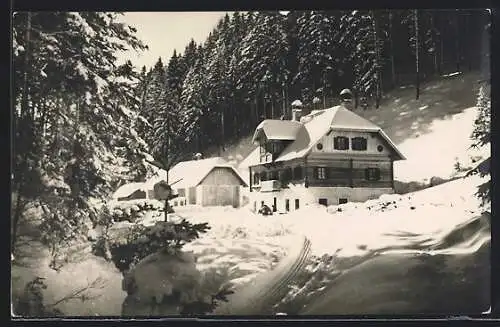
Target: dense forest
x=84 y=124
x=253 y=65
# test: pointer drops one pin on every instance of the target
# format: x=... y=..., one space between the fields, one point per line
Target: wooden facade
x=321 y=172
x=220 y=187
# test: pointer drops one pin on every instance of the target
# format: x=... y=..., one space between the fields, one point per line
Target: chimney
x=346 y=99
x=296 y=114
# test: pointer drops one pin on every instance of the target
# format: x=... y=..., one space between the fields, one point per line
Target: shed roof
x=191 y=173
x=274 y=129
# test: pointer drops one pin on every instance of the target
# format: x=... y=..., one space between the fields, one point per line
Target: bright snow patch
x=436 y=153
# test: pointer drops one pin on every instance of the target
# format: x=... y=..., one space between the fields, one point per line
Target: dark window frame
x=337 y=143
x=321 y=173
x=256 y=178
x=359 y=143
x=372 y=174
x=296 y=176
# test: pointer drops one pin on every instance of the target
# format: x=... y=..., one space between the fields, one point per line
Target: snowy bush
x=142 y=241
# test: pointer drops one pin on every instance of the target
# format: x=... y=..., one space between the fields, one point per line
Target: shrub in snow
x=142 y=241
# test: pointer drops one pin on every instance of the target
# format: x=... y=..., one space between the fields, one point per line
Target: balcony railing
x=270 y=186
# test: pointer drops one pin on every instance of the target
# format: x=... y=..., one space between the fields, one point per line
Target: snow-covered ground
x=437 y=152
x=246 y=245
x=351 y=229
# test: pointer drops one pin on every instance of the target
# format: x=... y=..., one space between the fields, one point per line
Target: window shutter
x=335 y=142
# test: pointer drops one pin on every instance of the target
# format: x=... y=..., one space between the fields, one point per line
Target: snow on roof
x=316 y=125
x=320 y=122
x=277 y=129
x=191 y=173
x=127 y=189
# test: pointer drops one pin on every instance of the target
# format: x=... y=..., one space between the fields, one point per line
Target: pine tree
x=72 y=102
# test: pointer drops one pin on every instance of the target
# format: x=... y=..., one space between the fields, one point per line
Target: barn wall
x=221 y=176
x=191 y=195
x=219 y=195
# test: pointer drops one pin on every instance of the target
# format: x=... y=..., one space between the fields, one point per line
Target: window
x=359 y=143
x=321 y=173
x=297 y=173
x=287 y=174
x=323 y=202
x=263 y=176
x=256 y=178
x=319 y=146
x=276 y=147
x=287 y=205
x=275 y=205
x=380 y=148
x=273 y=175
x=342 y=200
x=372 y=174
x=341 y=143
x=296 y=204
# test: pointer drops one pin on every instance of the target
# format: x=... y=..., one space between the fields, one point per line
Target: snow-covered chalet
x=327 y=157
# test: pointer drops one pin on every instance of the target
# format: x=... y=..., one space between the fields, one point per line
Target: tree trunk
x=377 y=58
x=391 y=42
x=417 y=52
x=457 y=38
x=17 y=215
x=434 y=54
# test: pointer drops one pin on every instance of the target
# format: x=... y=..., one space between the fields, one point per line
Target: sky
x=165 y=31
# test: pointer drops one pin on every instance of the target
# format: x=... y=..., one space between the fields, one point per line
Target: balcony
x=270 y=186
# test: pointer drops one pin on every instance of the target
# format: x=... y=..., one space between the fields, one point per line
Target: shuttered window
x=321 y=173
x=372 y=174
x=359 y=143
x=341 y=143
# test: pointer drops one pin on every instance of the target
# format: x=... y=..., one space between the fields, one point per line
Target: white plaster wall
x=312 y=195
x=372 y=140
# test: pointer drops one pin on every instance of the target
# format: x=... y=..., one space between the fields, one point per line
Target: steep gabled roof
x=274 y=129
x=317 y=124
x=191 y=173
x=320 y=122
